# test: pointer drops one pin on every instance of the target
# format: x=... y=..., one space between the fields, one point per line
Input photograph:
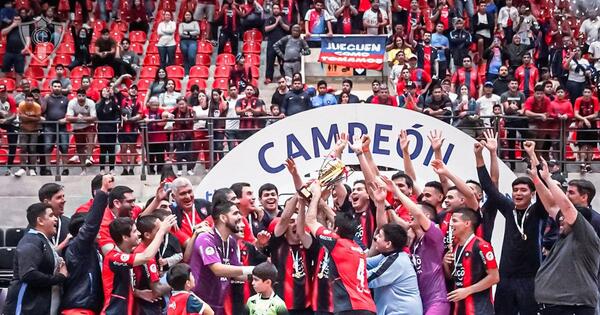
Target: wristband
x=359 y=153
x=536 y=180
x=247 y=270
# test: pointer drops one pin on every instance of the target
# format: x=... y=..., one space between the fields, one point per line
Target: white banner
x=310 y=135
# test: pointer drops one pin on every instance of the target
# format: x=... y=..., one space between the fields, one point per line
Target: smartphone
x=167 y=187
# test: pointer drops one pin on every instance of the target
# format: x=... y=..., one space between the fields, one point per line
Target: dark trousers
x=167 y=55
x=13 y=139
x=156 y=155
x=548 y=309
x=83 y=5
x=270 y=62
x=226 y=36
x=183 y=151
x=515 y=296
x=107 y=143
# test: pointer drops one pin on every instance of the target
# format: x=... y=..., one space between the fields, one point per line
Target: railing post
x=144 y=153
x=563 y=142
x=57 y=174
x=211 y=142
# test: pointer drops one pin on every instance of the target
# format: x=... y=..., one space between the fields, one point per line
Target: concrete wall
x=16 y=194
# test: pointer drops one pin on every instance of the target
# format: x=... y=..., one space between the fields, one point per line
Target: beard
x=232 y=227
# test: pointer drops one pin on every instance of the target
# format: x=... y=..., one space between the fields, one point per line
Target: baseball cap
x=488 y=83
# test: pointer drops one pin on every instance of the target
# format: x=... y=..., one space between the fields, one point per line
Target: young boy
x=275 y=111
x=183 y=301
x=265 y=301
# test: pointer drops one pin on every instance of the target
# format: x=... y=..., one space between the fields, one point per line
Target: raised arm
x=413 y=208
x=311 y=213
x=379 y=192
x=359 y=148
x=340 y=144
x=291 y=167
x=288 y=211
x=152 y=249
x=562 y=202
x=304 y=237
x=408 y=165
x=470 y=198
x=436 y=140
x=491 y=143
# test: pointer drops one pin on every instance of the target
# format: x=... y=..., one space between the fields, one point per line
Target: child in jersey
x=265 y=301
x=184 y=301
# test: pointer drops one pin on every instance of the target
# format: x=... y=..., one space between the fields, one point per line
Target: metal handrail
x=212 y=148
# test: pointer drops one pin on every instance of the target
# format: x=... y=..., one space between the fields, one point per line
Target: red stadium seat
x=75 y=84
x=66 y=49
x=138 y=48
x=99 y=25
x=148 y=72
x=80 y=71
x=2 y=47
x=205 y=47
x=45 y=88
x=178 y=59
x=117 y=36
x=252 y=35
x=225 y=60
x=144 y=84
x=52 y=73
x=251 y=48
x=9 y=83
x=99 y=84
x=175 y=72
x=151 y=60
x=152 y=49
x=222 y=71
x=137 y=36
x=201 y=83
x=203 y=60
x=201 y=72
x=221 y=83
x=34 y=73
x=120 y=26
x=64 y=60
x=252 y=60
x=104 y=72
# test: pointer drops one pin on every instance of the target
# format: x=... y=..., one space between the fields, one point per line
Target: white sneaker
x=112 y=172
x=20 y=172
x=179 y=173
x=7 y=173
x=89 y=162
x=74 y=159
x=83 y=173
x=190 y=173
x=32 y=173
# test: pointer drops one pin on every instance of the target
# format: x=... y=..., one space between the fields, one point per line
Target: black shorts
x=13 y=60
x=128 y=137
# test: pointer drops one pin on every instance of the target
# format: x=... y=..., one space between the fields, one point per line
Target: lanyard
x=192 y=222
x=462 y=251
x=521 y=225
x=56 y=237
x=225 y=254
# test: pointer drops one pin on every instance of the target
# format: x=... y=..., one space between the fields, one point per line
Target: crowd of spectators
x=531 y=65
x=381 y=246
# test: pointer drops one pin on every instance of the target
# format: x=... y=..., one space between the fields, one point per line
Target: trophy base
x=305 y=193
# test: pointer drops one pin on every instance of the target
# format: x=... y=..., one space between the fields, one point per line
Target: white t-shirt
x=232 y=124
x=486 y=106
x=590 y=28
x=76 y=110
x=199 y=112
x=595 y=51
x=371 y=19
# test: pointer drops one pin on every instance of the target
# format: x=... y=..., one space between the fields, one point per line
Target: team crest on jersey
x=326 y=232
x=125 y=257
x=489 y=256
x=153 y=268
x=209 y=251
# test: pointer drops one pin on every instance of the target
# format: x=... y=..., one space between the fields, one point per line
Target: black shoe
x=65 y=172
x=45 y=172
x=131 y=172
x=125 y=172
x=151 y=171
x=588 y=168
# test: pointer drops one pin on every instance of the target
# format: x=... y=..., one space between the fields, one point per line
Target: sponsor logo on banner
x=309 y=136
x=365 y=51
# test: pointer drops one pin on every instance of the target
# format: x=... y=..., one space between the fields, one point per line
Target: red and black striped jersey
x=445 y=227
x=348 y=269
x=366 y=227
x=240 y=291
x=294 y=275
x=322 y=293
x=472 y=262
x=144 y=276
